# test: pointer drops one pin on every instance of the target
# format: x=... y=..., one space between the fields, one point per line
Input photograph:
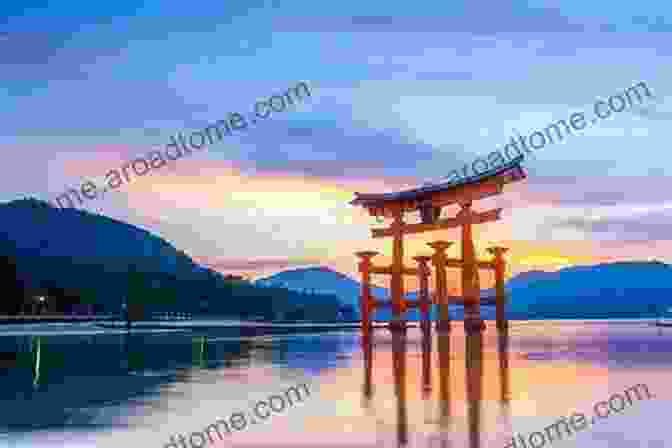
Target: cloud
x=34 y=48
x=444 y=76
x=623 y=224
x=500 y=18
x=596 y=190
x=651 y=113
x=644 y=229
x=346 y=150
x=99 y=107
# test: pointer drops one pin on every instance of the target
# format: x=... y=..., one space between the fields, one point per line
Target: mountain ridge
x=75 y=257
x=614 y=289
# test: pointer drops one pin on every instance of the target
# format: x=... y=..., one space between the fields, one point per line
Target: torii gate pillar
x=441 y=288
x=471 y=287
x=500 y=269
x=365 y=299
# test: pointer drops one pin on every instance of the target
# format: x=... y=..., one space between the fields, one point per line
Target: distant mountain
x=320 y=279
x=76 y=257
x=328 y=281
x=524 y=279
x=38 y=229
x=613 y=290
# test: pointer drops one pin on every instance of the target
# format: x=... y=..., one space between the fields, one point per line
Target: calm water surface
x=109 y=389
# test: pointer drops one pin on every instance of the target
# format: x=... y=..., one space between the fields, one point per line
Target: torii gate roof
x=486 y=184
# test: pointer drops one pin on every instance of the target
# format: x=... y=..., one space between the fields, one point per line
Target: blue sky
x=401 y=92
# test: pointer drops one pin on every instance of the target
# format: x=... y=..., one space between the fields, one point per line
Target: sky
x=401 y=93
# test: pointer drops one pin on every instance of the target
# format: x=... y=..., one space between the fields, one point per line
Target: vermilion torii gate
x=429 y=201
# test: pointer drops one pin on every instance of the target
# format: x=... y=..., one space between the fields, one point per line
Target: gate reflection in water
x=474 y=383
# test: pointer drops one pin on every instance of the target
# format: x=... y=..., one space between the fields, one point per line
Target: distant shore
x=232 y=328
x=49 y=318
x=115 y=321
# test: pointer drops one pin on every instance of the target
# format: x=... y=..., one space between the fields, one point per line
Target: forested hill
x=74 y=256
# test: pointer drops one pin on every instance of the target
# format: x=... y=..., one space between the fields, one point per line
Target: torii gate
x=429 y=201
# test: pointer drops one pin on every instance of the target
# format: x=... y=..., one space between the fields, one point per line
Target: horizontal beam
x=451 y=300
x=442 y=224
x=450 y=262
x=407 y=303
x=389 y=270
x=377 y=206
x=378 y=303
x=382 y=303
x=457 y=263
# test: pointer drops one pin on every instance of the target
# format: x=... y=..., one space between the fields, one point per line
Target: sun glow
x=545 y=260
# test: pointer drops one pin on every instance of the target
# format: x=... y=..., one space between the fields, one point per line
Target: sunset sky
x=401 y=93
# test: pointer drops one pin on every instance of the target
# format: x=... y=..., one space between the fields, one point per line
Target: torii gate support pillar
x=500 y=269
